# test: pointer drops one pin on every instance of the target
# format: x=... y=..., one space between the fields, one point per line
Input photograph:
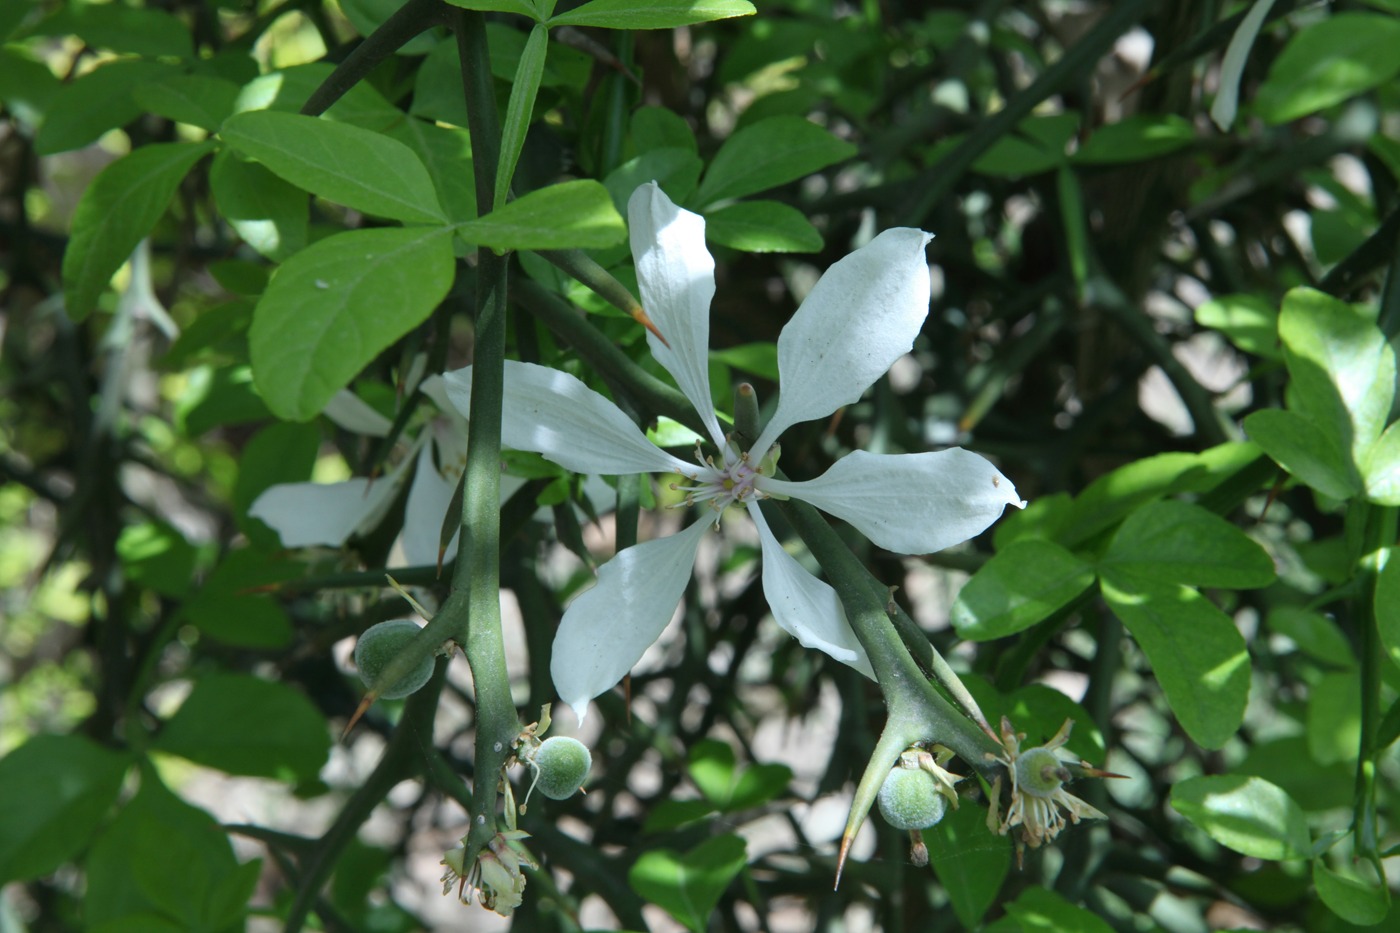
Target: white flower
x=329 y=514
x=861 y=317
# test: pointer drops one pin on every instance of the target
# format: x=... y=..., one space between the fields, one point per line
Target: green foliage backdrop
x=242 y=239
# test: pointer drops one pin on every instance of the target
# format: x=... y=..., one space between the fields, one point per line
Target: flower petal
x=807 y=608
x=325 y=514
x=862 y=315
x=429 y=498
x=909 y=503
x=554 y=414
x=676 y=276
x=607 y=629
x=353 y=414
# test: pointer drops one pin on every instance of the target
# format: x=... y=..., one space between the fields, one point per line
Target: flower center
x=722 y=484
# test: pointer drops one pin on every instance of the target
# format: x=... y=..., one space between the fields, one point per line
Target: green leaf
x=26 y=86
x=1248 y=321
x=1196 y=652
x=1306 y=451
x=1287 y=763
x=1313 y=633
x=1358 y=901
x=156 y=556
x=1037 y=146
x=165 y=858
x=243 y=725
x=759 y=359
x=711 y=767
x=1136 y=139
x=447 y=154
x=346 y=164
x=334 y=306
x=564 y=216
x=762 y=227
x=668 y=814
x=675 y=169
x=282 y=452
x=769 y=153
x=1334 y=718
x=120 y=28
x=1246 y=814
x=228 y=607
x=1021 y=585
x=689 y=886
x=1381 y=468
x=368 y=15
x=651 y=14
x=1177 y=542
x=101 y=100
x=269 y=213
x=1038 y=910
x=1110 y=498
x=218 y=395
x=970 y=863
x=285 y=91
x=1342 y=368
x=523 y=7
x=54 y=792
x=1076 y=225
x=198 y=100
x=117 y=211
x=661 y=128
x=1327 y=62
x=1039 y=710
x=521 y=107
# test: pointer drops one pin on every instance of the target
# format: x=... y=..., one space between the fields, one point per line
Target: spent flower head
x=1039 y=801
x=495 y=878
x=857 y=321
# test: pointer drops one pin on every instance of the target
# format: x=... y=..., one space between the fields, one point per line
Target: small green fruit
x=379 y=645
x=909 y=799
x=563 y=765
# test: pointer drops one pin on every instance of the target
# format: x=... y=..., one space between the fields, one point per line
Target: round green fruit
x=909 y=799
x=562 y=765
x=379 y=645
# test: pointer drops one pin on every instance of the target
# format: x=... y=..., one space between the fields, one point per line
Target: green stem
x=1379 y=533
x=908 y=694
x=475 y=597
x=409 y=20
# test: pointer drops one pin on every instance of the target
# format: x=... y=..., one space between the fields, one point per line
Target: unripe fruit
x=379 y=645
x=909 y=799
x=562 y=765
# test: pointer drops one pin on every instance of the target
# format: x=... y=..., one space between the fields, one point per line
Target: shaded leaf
x=1196 y=652
x=769 y=153
x=244 y=725
x=117 y=211
x=1246 y=814
x=1021 y=585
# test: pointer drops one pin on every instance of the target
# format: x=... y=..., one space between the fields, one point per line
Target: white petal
x=554 y=414
x=862 y=315
x=326 y=514
x=353 y=414
x=909 y=503
x=608 y=628
x=676 y=276
x=429 y=498
x=804 y=606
